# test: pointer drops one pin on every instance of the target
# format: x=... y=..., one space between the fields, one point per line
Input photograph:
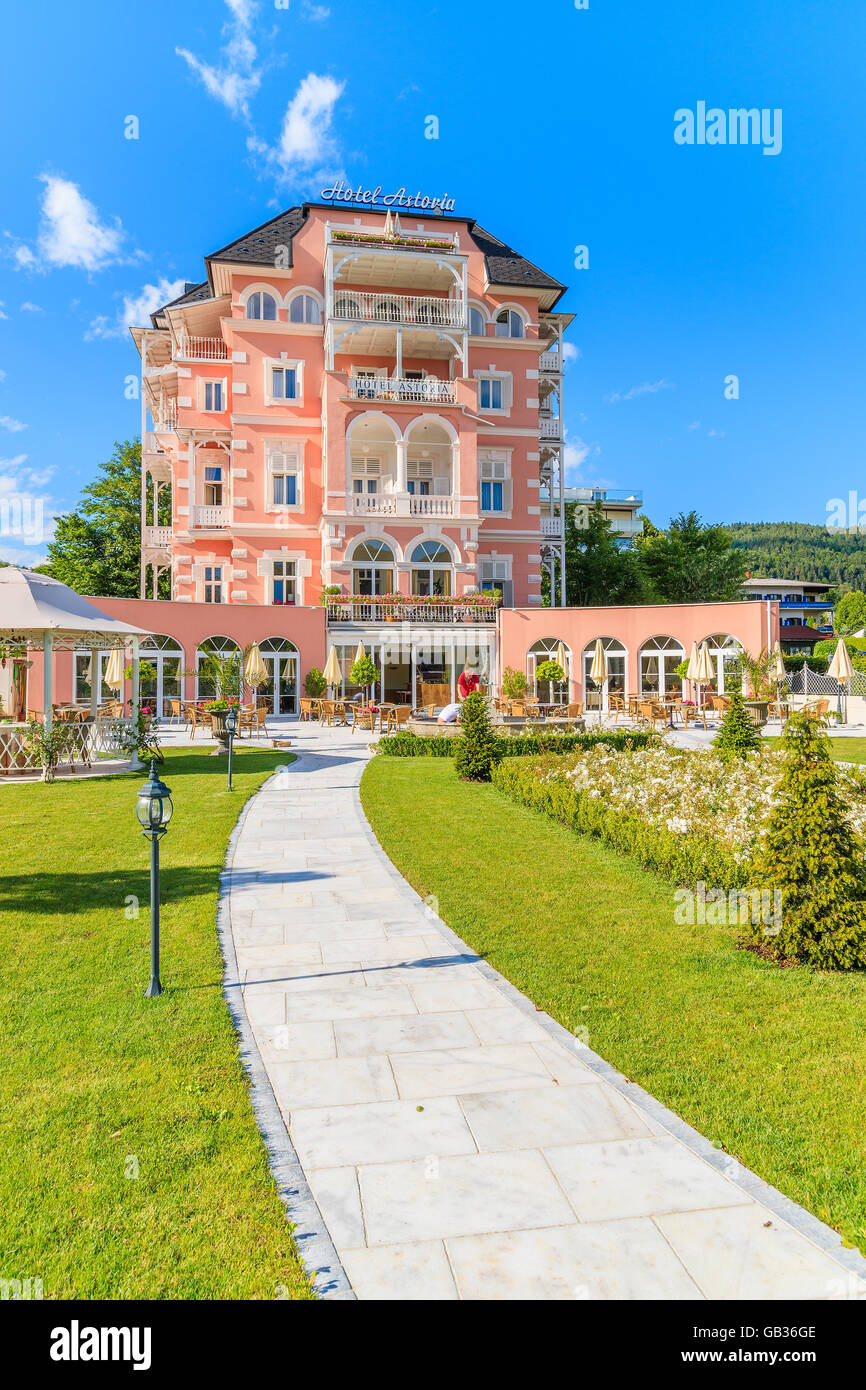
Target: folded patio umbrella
x=705 y=674
x=114 y=670
x=692 y=671
x=561 y=657
x=840 y=669
x=332 y=672
x=778 y=671
x=598 y=669
x=359 y=652
x=255 y=670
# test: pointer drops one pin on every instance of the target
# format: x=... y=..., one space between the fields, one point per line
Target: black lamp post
x=231 y=730
x=154 y=810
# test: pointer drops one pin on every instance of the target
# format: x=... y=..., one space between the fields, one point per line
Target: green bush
x=315 y=683
x=475 y=752
x=684 y=860
x=364 y=672
x=737 y=735
x=797 y=661
x=811 y=856
x=409 y=745
x=514 y=683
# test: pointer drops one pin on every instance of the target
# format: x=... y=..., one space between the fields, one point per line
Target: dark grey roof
x=192 y=294
x=505 y=266
x=259 y=246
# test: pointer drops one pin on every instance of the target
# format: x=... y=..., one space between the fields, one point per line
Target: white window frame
x=507 y=394
x=276 y=364
x=499 y=575
x=508 y=309
x=494 y=466
x=284 y=458
x=303 y=292
x=251 y=292
x=362 y=468
x=203 y=384
x=295 y=579
x=479 y=309
x=204 y=582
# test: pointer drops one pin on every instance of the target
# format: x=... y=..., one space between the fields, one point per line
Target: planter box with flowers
x=425 y=608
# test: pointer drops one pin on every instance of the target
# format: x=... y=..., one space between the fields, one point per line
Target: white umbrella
x=778 y=671
x=332 y=672
x=840 y=669
x=114 y=670
x=562 y=657
x=389 y=224
x=359 y=652
x=705 y=674
x=255 y=670
x=598 y=669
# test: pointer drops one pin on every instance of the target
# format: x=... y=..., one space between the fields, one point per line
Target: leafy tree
x=476 y=749
x=850 y=613
x=737 y=735
x=811 y=855
x=514 y=683
x=549 y=671
x=691 y=562
x=315 y=683
x=364 y=672
x=96 y=547
x=598 y=569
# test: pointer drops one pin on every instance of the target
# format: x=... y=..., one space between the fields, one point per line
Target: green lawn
x=99 y=1083
x=849 y=750
x=769 y=1064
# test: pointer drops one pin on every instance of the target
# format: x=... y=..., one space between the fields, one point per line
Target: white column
x=399 y=352
x=47 y=679
x=95 y=681
x=136 y=696
x=402 y=448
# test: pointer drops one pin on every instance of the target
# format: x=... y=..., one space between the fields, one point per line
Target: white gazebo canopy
x=38 y=612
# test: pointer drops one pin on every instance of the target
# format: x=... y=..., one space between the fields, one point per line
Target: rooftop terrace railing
x=357 y=609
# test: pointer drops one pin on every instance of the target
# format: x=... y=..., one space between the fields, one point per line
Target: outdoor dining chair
x=396 y=717
x=361 y=718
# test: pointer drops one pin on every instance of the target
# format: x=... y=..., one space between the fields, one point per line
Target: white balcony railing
x=402 y=389
x=194 y=349
x=363 y=306
x=166 y=426
x=431 y=506
x=211 y=516
x=551 y=526
x=158 y=536
x=550 y=429
x=549 y=362
x=434 y=243
x=409 y=610
x=372 y=504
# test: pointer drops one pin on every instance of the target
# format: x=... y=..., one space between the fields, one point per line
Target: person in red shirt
x=467 y=682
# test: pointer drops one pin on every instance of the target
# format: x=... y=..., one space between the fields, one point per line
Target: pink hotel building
x=359 y=417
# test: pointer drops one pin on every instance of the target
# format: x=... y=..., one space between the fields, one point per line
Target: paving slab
x=446 y=1138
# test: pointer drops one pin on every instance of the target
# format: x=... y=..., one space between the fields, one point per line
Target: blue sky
x=556 y=130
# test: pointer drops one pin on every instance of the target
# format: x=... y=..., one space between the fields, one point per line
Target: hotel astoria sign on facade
x=342 y=192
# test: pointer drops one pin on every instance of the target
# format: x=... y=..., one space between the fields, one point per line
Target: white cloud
x=28 y=307
x=315 y=13
x=570 y=352
x=13 y=426
x=71 y=233
x=576 y=454
x=715 y=434
x=2 y=374
x=306 y=139
x=646 y=388
x=2 y=315
x=695 y=425
x=136 y=309
x=26 y=516
x=237 y=77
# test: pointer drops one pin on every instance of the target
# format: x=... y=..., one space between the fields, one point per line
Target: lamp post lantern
x=231 y=730
x=154 y=811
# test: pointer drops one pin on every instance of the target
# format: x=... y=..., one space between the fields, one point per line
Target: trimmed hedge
x=409 y=745
x=682 y=860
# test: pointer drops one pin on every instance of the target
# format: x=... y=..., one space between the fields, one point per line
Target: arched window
x=218 y=668
x=659 y=659
x=548 y=649
x=388 y=310
x=261 y=305
x=509 y=324
x=725 y=652
x=280 y=690
x=373 y=569
x=431 y=569
x=596 y=691
x=304 y=309
x=477 y=322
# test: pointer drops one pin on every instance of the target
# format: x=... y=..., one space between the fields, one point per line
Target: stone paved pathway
x=458 y=1143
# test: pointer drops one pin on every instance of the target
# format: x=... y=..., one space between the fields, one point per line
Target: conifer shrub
x=475 y=753
x=737 y=735
x=811 y=854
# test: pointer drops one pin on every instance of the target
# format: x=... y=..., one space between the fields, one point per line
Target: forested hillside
x=794 y=550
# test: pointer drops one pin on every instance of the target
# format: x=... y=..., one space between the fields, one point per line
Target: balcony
x=158 y=537
x=385 y=504
x=417 y=610
x=549 y=362
x=603 y=494
x=209 y=518
x=194 y=349
x=366 y=237
x=429 y=391
x=551 y=526
x=411 y=310
x=549 y=428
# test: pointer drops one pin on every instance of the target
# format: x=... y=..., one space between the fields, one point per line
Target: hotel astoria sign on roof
x=341 y=192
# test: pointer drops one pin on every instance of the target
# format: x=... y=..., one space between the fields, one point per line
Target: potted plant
x=315 y=683
x=552 y=672
x=218 y=709
x=364 y=673
x=47 y=746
